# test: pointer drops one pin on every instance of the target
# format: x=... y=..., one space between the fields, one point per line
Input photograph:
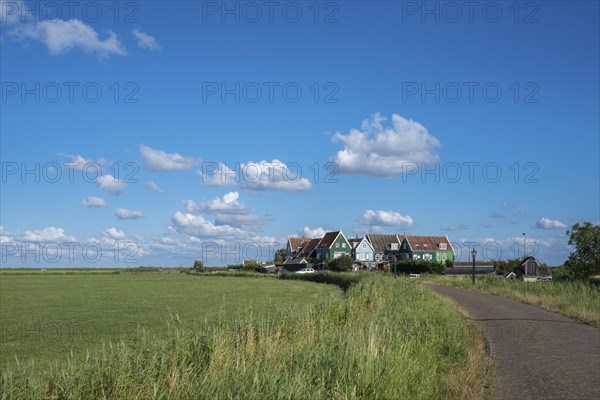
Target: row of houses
x=371 y=251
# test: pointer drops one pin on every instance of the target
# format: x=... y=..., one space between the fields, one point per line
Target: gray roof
x=381 y=243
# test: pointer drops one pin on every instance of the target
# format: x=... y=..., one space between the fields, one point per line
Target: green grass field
x=234 y=337
x=43 y=316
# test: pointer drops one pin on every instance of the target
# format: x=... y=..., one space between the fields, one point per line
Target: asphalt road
x=537 y=354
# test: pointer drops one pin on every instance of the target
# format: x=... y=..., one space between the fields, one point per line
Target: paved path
x=537 y=354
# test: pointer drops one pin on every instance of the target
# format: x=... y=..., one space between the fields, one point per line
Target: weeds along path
x=538 y=354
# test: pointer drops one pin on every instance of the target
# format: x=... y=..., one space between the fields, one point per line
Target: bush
x=198 y=265
x=419 y=267
x=341 y=264
x=344 y=281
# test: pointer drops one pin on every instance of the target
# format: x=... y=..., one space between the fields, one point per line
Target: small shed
x=530 y=267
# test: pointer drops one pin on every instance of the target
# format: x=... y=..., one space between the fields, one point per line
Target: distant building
x=333 y=245
x=363 y=252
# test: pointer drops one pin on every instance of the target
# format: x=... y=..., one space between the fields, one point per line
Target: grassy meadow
x=43 y=316
x=576 y=299
x=207 y=337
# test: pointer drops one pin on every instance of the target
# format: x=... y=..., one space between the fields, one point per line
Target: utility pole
x=524 y=246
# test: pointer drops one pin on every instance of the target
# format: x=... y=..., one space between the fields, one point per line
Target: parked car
x=306 y=271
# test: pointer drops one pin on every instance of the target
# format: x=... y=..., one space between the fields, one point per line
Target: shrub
x=419 y=267
x=341 y=264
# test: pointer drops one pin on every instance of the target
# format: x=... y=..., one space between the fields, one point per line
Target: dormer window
x=426 y=246
x=394 y=246
x=417 y=245
x=443 y=246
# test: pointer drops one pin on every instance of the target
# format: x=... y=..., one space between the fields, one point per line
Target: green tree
x=280 y=256
x=584 y=262
x=251 y=266
x=198 y=265
x=340 y=264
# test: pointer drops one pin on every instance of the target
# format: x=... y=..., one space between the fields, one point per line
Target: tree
x=584 y=262
x=251 y=266
x=280 y=256
x=198 y=265
x=343 y=263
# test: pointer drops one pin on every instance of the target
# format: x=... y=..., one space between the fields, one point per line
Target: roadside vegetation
x=384 y=338
x=576 y=299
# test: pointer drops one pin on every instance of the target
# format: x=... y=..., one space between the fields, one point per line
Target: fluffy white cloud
x=159 y=160
x=217 y=174
x=547 y=223
x=313 y=233
x=78 y=162
x=62 y=36
x=94 y=201
x=228 y=204
x=238 y=220
x=196 y=225
x=273 y=175
x=114 y=233
x=385 y=151
x=385 y=218
x=50 y=234
x=154 y=187
x=145 y=41
x=110 y=183
x=123 y=213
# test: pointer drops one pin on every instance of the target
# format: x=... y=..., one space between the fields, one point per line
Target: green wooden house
x=333 y=245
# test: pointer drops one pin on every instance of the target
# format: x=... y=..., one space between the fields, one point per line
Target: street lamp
x=474 y=253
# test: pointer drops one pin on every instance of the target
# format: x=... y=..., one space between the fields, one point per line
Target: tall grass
x=384 y=339
x=575 y=299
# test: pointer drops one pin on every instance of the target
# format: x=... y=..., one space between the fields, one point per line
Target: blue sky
x=144 y=127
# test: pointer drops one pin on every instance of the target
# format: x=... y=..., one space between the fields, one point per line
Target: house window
x=427 y=257
x=343 y=245
x=443 y=246
x=417 y=245
x=366 y=256
x=404 y=245
x=394 y=246
x=415 y=256
x=364 y=245
x=337 y=245
x=426 y=246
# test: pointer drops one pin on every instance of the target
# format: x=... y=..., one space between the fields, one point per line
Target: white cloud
x=158 y=160
x=94 y=201
x=145 y=41
x=154 y=187
x=547 y=223
x=313 y=233
x=62 y=36
x=110 y=183
x=228 y=204
x=50 y=234
x=507 y=205
x=114 y=233
x=80 y=163
x=238 y=219
x=196 y=225
x=273 y=175
x=385 y=151
x=386 y=218
x=217 y=175
x=123 y=213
